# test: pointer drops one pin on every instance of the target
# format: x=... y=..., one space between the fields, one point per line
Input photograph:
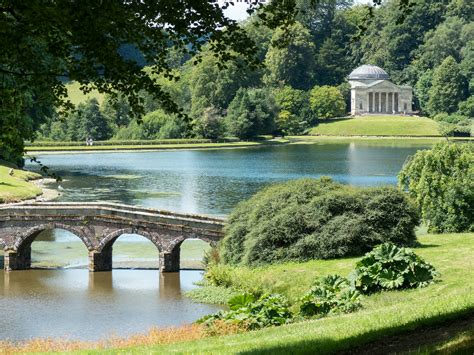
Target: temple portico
x=373 y=92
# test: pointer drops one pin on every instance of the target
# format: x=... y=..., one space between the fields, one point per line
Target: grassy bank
x=32 y=150
x=378 y=126
x=383 y=314
x=435 y=318
x=17 y=187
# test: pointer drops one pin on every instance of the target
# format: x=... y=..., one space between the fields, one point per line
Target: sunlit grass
x=388 y=125
x=77 y=96
x=16 y=187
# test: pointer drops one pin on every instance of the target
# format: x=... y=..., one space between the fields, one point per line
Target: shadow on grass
x=7 y=184
x=373 y=342
x=423 y=246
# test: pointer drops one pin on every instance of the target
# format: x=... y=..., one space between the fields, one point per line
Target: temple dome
x=369 y=72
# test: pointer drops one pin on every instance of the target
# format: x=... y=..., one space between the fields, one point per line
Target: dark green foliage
x=88 y=121
x=441 y=181
x=214 y=86
x=448 y=88
x=316 y=219
x=454 y=125
x=389 y=267
x=155 y=125
x=330 y=294
x=294 y=63
x=119 y=142
x=251 y=313
x=252 y=112
x=466 y=108
x=295 y=115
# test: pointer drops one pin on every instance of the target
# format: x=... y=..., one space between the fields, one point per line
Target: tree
x=441 y=181
x=251 y=112
x=214 y=86
x=88 y=122
x=290 y=60
x=209 y=125
x=394 y=35
x=46 y=44
x=442 y=42
x=295 y=114
x=422 y=89
x=448 y=88
x=319 y=19
x=327 y=102
x=117 y=111
x=466 y=108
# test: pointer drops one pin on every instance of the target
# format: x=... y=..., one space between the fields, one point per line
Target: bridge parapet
x=98 y=225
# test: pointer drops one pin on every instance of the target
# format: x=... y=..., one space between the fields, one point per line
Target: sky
x=237 y=11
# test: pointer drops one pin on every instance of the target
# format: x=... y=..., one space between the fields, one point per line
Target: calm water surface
x=76 y=304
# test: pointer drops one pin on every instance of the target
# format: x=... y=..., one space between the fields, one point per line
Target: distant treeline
x=303 y=80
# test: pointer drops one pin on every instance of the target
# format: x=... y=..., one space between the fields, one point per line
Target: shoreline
x=276 y=142
x=149 y=148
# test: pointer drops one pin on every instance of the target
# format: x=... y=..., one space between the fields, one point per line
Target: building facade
x=373 y=92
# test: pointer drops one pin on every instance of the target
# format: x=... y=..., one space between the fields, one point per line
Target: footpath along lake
x=73 y=303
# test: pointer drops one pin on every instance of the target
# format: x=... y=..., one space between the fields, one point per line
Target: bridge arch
x=108 y=240
x=28 y=236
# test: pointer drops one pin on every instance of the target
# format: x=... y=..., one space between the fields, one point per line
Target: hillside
x=388 y=125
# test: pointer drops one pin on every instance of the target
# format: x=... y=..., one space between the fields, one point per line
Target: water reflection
x=78 y=304
x=214 y=181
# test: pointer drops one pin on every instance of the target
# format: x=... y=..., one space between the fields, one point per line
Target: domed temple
x=373 y=92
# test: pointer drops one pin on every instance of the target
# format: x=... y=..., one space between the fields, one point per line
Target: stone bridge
x=98 y=225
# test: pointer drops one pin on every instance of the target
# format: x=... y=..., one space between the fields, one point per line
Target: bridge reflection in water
x=99 y=225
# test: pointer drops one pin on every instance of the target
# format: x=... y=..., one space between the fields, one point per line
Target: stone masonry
x=98 y=225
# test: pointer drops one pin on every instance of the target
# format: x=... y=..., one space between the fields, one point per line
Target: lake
x=71 y=302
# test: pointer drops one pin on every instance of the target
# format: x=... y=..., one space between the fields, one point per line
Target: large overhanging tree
x=44 y=43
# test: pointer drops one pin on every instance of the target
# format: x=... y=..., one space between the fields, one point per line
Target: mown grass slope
x=383 y=314
x=77 y=96
x=16 y=187
x=387 y=125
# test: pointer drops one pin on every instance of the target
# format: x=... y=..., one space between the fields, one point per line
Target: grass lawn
x=31 y=150
x=378 y=126
x=16 y=187
x=77 y=96
x=384 y=314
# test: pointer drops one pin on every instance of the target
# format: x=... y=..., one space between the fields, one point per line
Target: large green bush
x=316 y=219
x=441 y=181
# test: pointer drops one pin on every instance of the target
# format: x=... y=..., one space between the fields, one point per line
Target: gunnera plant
x=250 y=313
x=389 y=267
x=330 y=294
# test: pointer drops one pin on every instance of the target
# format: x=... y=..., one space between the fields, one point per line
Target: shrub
x=441 y=181
x=249 y=313
x=316 y=219
x=327 y=102
x=330 y=294
x=389 y=267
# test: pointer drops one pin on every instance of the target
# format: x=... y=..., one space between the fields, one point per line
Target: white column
x=393 y=102
x=380 y=102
